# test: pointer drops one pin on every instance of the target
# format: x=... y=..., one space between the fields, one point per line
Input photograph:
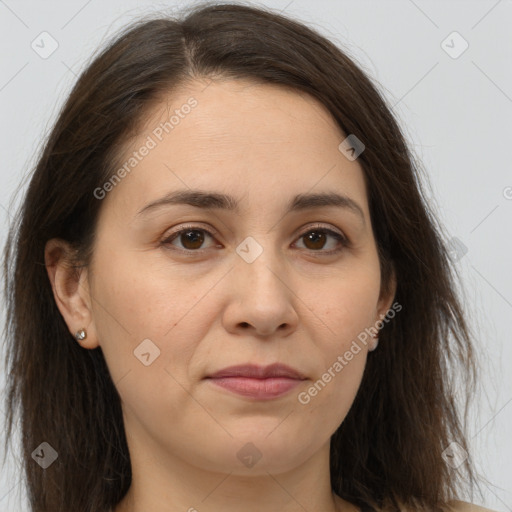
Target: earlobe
x=70 y=290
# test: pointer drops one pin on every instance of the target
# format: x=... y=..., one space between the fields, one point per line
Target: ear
x=386 y=296
x=70 y=290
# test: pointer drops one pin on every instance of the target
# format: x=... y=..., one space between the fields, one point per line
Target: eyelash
x=189 y=252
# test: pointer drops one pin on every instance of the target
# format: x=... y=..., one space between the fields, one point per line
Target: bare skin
x=300 y=302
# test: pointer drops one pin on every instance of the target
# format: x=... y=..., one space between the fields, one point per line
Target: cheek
x=136 y=302
x=143 y=298
x=147 y=339
x=345 y=309
x=332 y=391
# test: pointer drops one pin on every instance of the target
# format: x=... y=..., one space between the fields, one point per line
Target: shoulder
x=464 y=506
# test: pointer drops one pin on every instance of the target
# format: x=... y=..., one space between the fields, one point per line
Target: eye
x=315 y=238
x=190 y=237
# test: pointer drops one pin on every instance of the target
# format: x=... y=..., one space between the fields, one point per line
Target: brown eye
x=191 y=239
x=316 y=239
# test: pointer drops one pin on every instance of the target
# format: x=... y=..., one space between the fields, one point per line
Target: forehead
x=240 y=136
x=243 y=115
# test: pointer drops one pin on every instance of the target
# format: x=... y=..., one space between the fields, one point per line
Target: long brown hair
x=388 y=451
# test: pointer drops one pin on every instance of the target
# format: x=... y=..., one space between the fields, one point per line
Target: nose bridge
x=261 y=263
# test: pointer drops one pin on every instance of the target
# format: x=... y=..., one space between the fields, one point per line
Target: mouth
x=256 y=381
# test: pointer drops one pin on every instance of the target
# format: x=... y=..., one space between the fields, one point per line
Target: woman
x=225 y=289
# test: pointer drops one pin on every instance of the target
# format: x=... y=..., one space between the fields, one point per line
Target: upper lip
x=259 y=372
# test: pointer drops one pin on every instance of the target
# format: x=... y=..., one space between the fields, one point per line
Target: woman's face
x=258 y=283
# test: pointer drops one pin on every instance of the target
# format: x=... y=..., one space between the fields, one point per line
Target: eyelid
x=317 y=225
x=192 y=226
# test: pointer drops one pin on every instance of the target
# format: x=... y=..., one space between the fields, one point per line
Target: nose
x=261 y=301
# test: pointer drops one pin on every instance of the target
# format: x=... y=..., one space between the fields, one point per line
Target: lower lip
x=271 y=387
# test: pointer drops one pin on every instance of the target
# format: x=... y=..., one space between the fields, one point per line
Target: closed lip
x=252 y=371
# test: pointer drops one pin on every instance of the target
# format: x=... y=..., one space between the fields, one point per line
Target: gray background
x=456 y=113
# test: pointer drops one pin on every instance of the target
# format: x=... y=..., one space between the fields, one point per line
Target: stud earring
x=81 y=334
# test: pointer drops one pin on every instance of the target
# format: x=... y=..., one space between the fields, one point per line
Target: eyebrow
x=214 y=200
